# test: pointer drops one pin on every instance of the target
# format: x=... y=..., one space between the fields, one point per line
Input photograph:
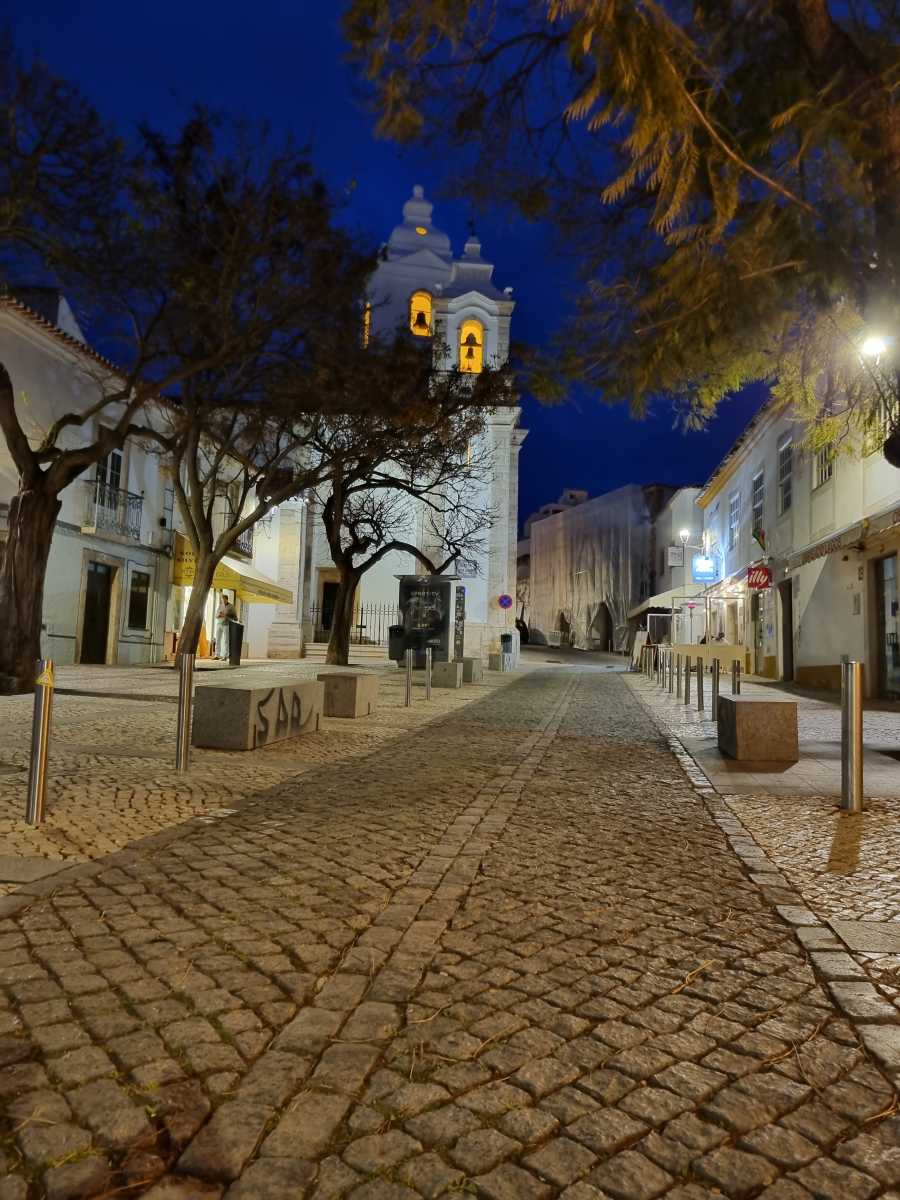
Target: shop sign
x=759 y=577
x=704 y=568
x=676 y=556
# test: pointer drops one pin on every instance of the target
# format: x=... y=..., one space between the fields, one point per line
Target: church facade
x=420 y=285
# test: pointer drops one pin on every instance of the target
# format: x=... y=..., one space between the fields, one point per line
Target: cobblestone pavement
x=514 y=952
x=845 y=867
x=111 y=778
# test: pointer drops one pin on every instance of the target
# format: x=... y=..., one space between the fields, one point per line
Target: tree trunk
x=342 y=622
x=32 y=515
x=193 y=618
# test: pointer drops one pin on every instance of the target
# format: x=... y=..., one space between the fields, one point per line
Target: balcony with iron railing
x=244 y=544
x=111 y=511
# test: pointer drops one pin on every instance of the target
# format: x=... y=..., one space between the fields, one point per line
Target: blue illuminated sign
x=704 y=568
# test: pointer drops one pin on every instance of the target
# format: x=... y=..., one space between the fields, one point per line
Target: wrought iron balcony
x=110 y=510
x=244 y=544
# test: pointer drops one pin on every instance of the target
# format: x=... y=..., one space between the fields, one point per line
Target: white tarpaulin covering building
x=591 y=565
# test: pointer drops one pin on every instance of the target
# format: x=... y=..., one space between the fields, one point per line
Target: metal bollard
x=714 y=690
x=851 y=735
x=735 y=678
x=699 y=684
x=671 y=671
x=40 y=742
x=428 y=654
x=410 y=654
x=687 y=679
x=678 y=675
x=185 y=708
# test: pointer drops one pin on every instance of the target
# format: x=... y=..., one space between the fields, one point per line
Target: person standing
x=221 y=642
x=229 y=614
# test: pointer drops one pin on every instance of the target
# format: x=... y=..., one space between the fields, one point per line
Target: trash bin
x=396 y=643
x=506 y=643
x=235 y=642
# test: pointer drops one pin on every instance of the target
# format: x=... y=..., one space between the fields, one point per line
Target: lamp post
x=684 y=536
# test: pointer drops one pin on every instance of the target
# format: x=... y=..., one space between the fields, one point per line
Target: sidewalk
x=846 y=868
x=512 y=952
x=111 y=777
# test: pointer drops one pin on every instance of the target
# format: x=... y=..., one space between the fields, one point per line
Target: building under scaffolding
x=591 y=564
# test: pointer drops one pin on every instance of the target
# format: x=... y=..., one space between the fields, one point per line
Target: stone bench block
x=349 y=693
x=447 y=674
x=473 y=670
x=500 y=662
x=230 y=717
x=755 y=728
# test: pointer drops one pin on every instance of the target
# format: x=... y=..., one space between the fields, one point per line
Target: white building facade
x=826 y=530
x=420 y=286
x=118 y=577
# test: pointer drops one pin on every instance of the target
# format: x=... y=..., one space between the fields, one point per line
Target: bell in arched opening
x=471 y=346
x=420 y=314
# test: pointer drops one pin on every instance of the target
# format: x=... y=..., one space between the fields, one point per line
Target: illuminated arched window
x=471 y=346
x=420 y=314
x=367 y=324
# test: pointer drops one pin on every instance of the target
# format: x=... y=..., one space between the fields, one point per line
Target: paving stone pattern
x=512 y=953
x=111 y=778
x=845 y=866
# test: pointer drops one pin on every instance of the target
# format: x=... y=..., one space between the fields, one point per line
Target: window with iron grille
x=734 y=519
x=823 y=468
x=758 y=500
x=785 y=475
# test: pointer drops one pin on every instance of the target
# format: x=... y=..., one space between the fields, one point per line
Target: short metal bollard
x=699 y=684
x=428 y=654
x=410 y=654
x=735 y=678
x=671 y=671
x=851 y=735
x=678 y=675
x=40 y=742
x=185 y=709
x=714 y=690
x=687 y=679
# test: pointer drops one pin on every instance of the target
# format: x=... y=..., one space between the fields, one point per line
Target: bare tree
x=421 y=495
x=223 y=279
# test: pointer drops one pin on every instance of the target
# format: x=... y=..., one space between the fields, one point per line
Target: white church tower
x=420 y=285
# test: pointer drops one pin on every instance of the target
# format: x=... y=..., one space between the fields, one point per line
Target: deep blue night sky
x=284 y=62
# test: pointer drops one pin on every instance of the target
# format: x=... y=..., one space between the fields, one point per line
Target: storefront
x=234 y=580
x=887 y=627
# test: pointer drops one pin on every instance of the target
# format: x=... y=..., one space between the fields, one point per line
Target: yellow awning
x=231 y=573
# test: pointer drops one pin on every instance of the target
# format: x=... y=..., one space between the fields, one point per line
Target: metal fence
x=371 y=623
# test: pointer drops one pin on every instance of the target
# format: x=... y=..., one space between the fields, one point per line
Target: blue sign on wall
x=704 y=568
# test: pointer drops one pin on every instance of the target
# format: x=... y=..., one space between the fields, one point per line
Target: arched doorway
x=601 y=630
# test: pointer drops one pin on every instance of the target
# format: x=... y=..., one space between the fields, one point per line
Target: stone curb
x=874 y=1018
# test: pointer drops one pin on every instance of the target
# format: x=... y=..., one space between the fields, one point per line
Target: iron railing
x=244 y=543
x=371 y=623
x=111 y=510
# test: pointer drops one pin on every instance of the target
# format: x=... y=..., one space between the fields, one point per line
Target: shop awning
x=665 y=601
x=231 y=573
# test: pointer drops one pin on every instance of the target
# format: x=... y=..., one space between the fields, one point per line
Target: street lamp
x=874 y=346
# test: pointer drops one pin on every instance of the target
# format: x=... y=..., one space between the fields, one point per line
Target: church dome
x=417 y=232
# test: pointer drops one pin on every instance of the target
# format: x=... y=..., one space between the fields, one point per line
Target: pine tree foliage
x=728 y=172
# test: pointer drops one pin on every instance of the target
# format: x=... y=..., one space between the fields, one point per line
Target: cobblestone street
x=509 y=945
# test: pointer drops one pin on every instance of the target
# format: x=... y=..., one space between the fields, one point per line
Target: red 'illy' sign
x=759 y=577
